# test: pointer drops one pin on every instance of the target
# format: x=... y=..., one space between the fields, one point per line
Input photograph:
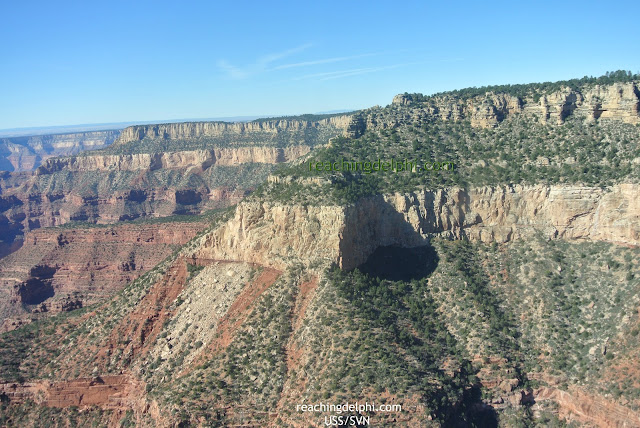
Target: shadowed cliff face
x=272 y=234
x=38 y=287
x=401 y=264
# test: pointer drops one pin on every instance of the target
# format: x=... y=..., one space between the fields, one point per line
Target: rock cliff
x=202 y=159
x=27 y=153
x=618 y=101
x=156 y=170
x=190 y=130
x=275 y=235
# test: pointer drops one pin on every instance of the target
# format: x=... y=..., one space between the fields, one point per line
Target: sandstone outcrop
x=274 y=235
x=582 y=407
x=202 y=159
x=188 y=130
x=110 y=392
x=618 y=101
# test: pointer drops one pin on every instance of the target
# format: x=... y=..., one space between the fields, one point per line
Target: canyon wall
x=186 y=159
x=275 y=235
x=156 y=170
x=110 y=188
x=64 y=269
x=189 y=130
x=27 y=153
x=618 y=101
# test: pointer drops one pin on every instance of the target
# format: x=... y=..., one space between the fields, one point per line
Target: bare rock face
x=493 y=109
x=403 y=99
x=107 y=391
x=618 y=101
x=590 y=410
x=27 y=153
x=60 y=270
x=187 y=130
x=275 y=235
x=202 y=159
x=557 y=106
x=183 y=168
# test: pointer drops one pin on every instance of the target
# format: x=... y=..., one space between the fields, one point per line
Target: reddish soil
x=105 y=391
x=143 y=324
x=585 y=408
x=241 y=308
x=307 y=291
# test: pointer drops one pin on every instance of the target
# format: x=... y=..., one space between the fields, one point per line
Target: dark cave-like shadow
x=396 y=263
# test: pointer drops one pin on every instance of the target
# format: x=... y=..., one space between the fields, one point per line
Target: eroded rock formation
x=27 y=153
x=59 y=270
x=273 y=235
x=187 y=130
x=202 y=159
x=619 y=101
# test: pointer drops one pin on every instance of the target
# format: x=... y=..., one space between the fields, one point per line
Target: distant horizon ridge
x=114 y=126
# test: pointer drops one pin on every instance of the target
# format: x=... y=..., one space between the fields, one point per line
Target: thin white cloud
x=354 y=72
x=323 y=61
x=276 y=56
x=232 y=71
x=265 y=64
x=260 y=65
x=332 y=73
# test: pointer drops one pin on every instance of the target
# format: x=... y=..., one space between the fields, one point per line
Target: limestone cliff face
x=189 y=130
x=26 y=153
x=275 y=235
x=184 y=159
x=618 y=101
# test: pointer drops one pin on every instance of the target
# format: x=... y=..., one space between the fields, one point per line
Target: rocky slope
x=235 y=308
x=65 y=269
x=27 y=153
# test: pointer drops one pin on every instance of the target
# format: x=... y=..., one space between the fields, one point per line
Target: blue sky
x=64 y=63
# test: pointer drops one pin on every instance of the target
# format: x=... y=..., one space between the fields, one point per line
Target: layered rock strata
x=618 y=101
x=60 y=270
x=274 y=235
x=202 y=159
x=27 y=153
